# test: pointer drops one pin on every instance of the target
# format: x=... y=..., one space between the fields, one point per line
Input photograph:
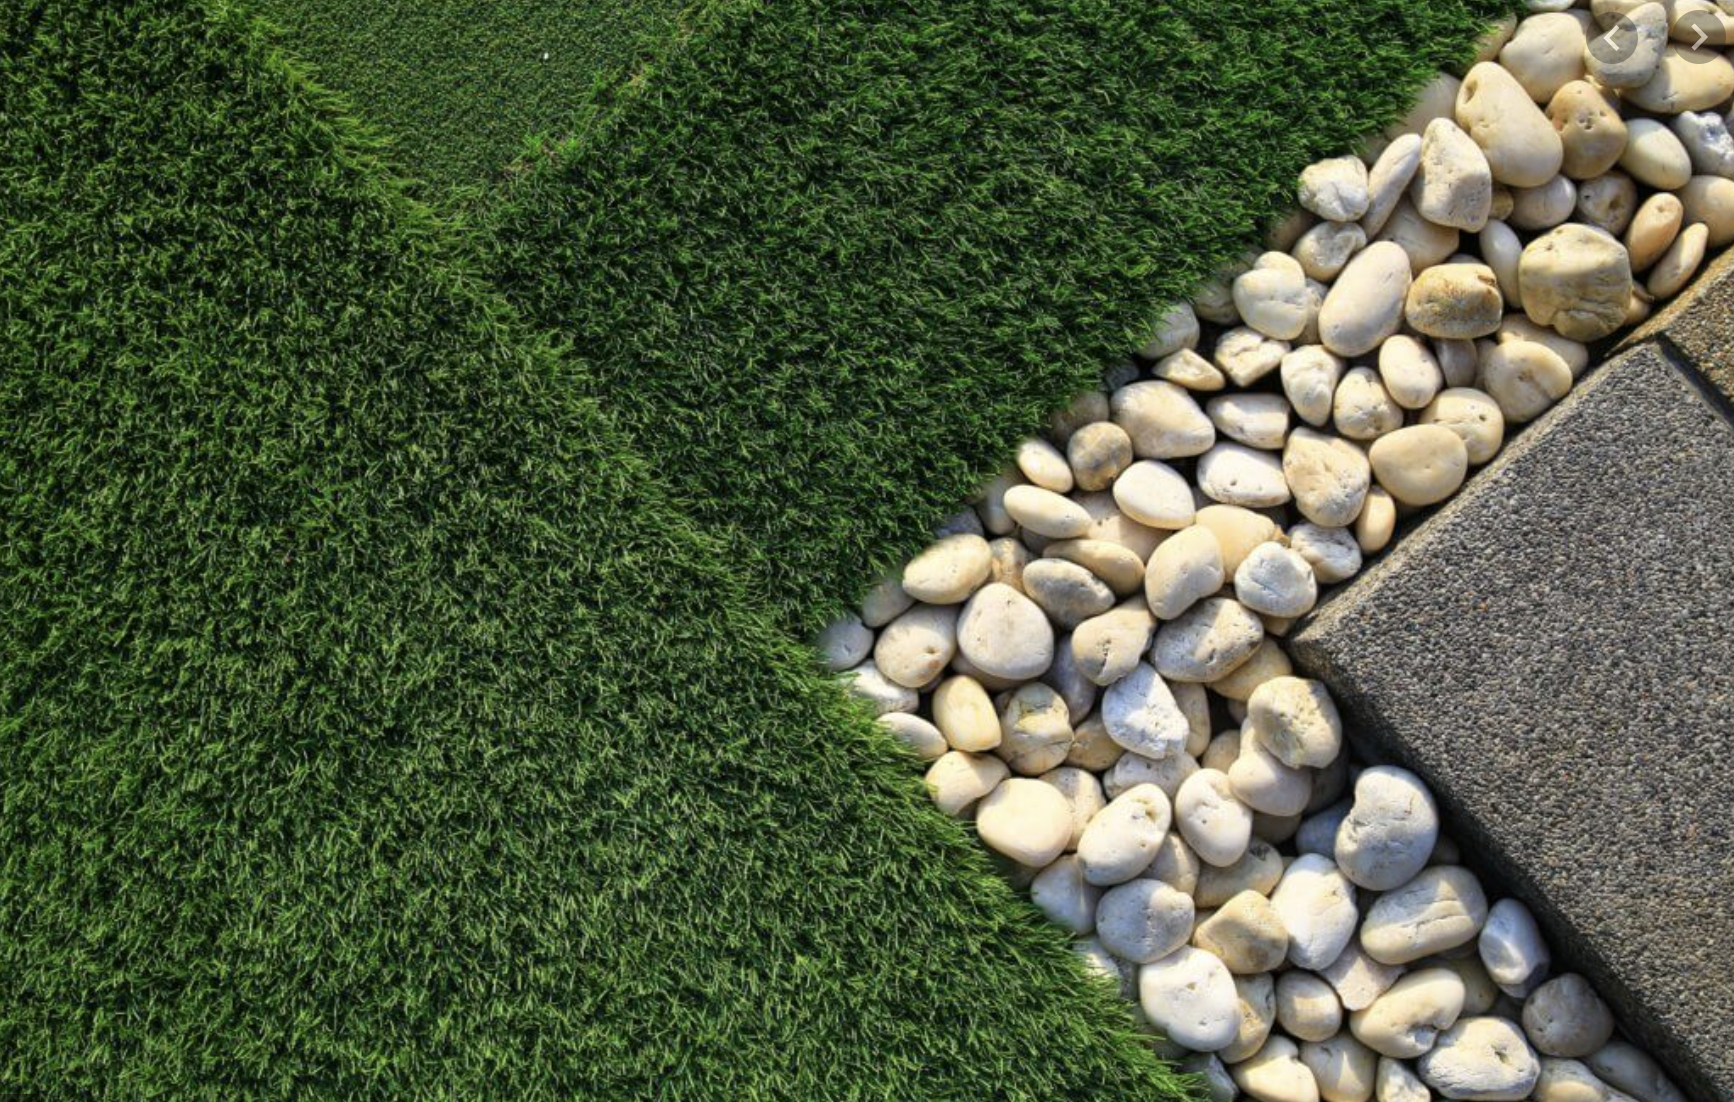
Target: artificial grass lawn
x=459 y=86
x=372 y=726
x=869 y=247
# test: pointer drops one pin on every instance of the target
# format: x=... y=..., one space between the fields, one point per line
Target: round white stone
x=1276 y=581
x=1143 y=920
x=1317 y=905
x=1390 y=831
x=1162 y=419
x=1189 y=996
x=1005 y=634
x=1122 y=839
x=1297 y=720
x=1565 y=1017
x=1153 y=493
x=1481 y=1059
x=1141 y=714
x=1211 y=818
x=1365 y=305
x=1511 y=946
x=1061 y=892
x=1440 y=909
x=1406 y=1020
x=947 y=572
x=1026 y=820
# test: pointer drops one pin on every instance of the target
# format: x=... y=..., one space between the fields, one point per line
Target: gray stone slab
x=1554 y=652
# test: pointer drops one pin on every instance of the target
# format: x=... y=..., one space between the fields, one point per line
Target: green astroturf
x=370 y=724
x=835 y=258
x=459 y=85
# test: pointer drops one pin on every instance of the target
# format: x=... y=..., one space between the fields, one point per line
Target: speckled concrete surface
x=1554 y=652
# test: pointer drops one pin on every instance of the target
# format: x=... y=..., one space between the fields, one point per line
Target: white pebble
x=1317 y=905
x=1141 y=715
x=1143 y=920
x=1190 y=997
x=1213 y=821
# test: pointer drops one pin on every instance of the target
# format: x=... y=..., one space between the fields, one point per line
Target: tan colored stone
x=1420 y=464
x=1521 y=145
x=1576 y=280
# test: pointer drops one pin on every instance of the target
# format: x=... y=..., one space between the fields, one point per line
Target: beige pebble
x=1235 y=474
x=1162 y=420
x=1335 y=189
x=1067 y=592
x=1592 y=133
x=1570 y=1081
x=1007 y=562
x=1271 y=296
x=1237 y=532
x=1357 y=978
x=921 y=737
x=1454 y=185
x=1521 y=145
x=1256 y=420
x=1206 y=641
x=1362 y=408
x=957 y=780
x=1005 y=634
x=1187 y=568
x=1297 y=719
x=1343 y=1067
x=1306 y=1007
x=946 y=573
x=1045 y=513
x=1328 y=476
x=1116 y=565
x=1044 y=465
x=1026 y=820
x=1035 y=731
x=1421 y=464
x=1423 y=243
x=1269 y=661
x=1246 y=355
x=1545 y=54
x=1655 y=156
x=1275 y=1074
x=1175 y=863
x=1083 y=795
x=1309 y=379
x=1680 y=263
x=1525 y=378
x=1389 y=180
x=1653 y=229
x=1710 y=200
x=1110 y=525
x=1365 y=305
x=914 y=648
x=1377 y=522
x=1455 y=302
x=1576 y=280
x=1474 y=416
x=1630 y=59
x=1325 y=250
x=1686 y=80
x=1544 y=207
x=1440 y=909
x=1265 y=784
x=1258 y=870
x=1175 y=330
x=1608 y=202
x=1068 y=900
x=1108 y=647
x=1155 y=494
x=1502 y=249
x=1097 y=453
x=1565 y=1017
x=1256 y=993
x=1409 y=370
x=1517 y=327
x=1212 y=820
x=991 y=507
x=1245 y=934
x=1480 y=1058
x=965 y=715
x=1188 y=369
x=1406 y=1019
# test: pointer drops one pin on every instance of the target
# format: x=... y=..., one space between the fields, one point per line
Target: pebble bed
x=1089 y=659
